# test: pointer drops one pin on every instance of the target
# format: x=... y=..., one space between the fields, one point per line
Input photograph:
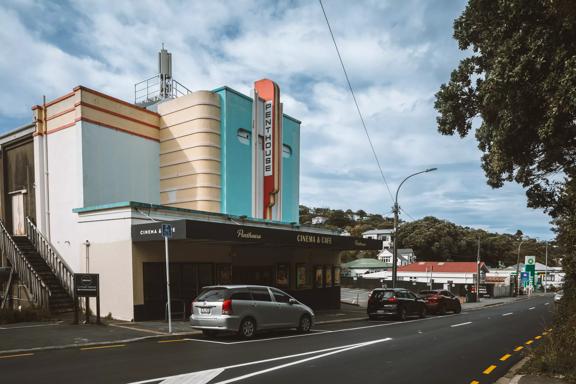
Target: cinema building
x=87 y=185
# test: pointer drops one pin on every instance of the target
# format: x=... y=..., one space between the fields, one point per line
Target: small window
x=280 y=296
x=243 y=136
x=286 y=151
x=261 y=294
x=242 y=295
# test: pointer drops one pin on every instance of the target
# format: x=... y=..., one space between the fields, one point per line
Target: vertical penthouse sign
x=267 y=156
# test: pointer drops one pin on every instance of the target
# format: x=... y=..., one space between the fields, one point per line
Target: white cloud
x=396 y=53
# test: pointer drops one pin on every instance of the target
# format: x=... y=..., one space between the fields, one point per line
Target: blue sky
x=397 y=54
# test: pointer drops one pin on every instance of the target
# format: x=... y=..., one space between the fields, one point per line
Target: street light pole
x=518 y=270
x=396 y=210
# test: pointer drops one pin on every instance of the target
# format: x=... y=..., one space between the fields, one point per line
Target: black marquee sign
x=250 y=234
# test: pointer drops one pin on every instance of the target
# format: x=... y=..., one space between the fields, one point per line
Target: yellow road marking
x=529 y=342
x=20 y=355
x=171 y=341
x=505 y=357
x=518 y=348
x=488 y=370
x=544 y=333
x=474 y=382
x=538 y=337
x=103 y=347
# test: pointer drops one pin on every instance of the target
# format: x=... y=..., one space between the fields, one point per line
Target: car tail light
x=433 y=298
x=392 y=300
x=227 y=307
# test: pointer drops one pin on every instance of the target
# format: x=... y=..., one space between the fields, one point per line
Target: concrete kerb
x=99 y=343
x=511 y=377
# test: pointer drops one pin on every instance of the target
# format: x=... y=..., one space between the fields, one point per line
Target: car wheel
x=305 y=324
x=209 y=333
x=458 y=308
x=247 y=328
x=442 y=309
x=422 y=313
x=402 y=314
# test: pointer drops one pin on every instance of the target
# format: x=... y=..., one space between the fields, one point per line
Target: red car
x=440 y=301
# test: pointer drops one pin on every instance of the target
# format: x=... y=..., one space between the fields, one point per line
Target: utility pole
x=478 y=272
x=546 y=269
x=518 y=269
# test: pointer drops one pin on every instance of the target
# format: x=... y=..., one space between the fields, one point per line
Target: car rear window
x=213 y=294
x=379 y=295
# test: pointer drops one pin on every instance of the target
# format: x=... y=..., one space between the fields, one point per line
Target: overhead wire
x=356 y=102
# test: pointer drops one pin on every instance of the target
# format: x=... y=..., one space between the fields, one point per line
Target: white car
x=558 y=296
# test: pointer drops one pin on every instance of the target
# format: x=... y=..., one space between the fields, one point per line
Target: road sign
x=86 y=285
x=530 y=260
x=167 y=230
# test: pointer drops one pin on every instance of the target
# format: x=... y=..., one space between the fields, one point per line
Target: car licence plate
x=205 y=310
x=380 y=311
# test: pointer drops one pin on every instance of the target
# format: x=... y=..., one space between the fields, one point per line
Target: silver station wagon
x=246 y=309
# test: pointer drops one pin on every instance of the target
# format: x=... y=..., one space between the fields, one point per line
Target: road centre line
x=531 y=308
x=461 y=324
x=508 y=314
x=19 y=355
x=276 y=358
x=518 y=348
x=505 y=357
x=103 y=347
x=546 y=303
x=489 y=370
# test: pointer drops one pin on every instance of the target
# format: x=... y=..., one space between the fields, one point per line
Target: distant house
x=319 y=220
x=385 y=255
x=362 y=266
x=406 y=256
x=380 y=234
x=439 y=272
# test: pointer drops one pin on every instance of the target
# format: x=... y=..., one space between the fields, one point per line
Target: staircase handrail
x=26 y=273
x=48 y=252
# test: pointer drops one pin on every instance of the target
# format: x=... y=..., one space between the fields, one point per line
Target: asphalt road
x=459 y=348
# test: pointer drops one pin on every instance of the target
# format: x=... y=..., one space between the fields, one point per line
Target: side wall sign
x=267 y=156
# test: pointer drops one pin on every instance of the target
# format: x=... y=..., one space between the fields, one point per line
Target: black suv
x=398 y=302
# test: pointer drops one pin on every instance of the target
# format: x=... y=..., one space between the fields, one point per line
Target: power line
x=355 y=101
x=407 y=214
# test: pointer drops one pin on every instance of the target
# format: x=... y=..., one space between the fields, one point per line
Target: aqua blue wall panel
x=236 y=113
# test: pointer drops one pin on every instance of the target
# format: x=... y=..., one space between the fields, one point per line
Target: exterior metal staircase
x=40 y=268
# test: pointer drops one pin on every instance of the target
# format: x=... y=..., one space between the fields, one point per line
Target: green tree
x=520 y=81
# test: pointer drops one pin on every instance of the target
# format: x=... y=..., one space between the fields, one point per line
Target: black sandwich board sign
x=87 y=285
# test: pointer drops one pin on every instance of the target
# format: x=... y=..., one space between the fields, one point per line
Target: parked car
x=558 y=296
x=397 y=302
x=440 y=301
x=246 y=309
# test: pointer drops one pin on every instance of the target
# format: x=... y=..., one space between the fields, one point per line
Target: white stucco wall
x=118 y=166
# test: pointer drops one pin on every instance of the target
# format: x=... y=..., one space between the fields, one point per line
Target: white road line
x=461 y=324
x=546 y=303
x=508 y=314
x=313 y=332
x=317 y=332
x=302 y=361
x=31 y=326
x=531 y=308
x=273 y=359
